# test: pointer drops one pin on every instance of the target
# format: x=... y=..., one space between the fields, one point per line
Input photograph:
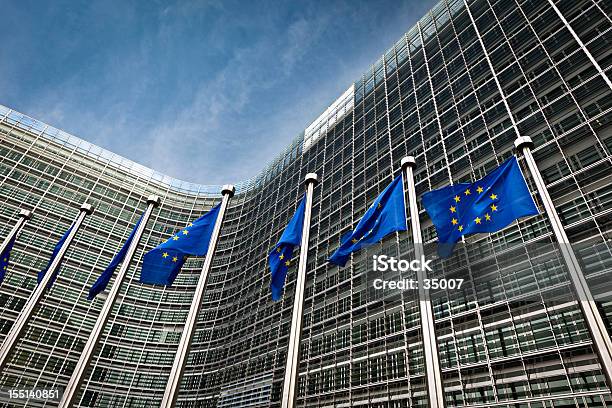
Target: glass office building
x=454 y=91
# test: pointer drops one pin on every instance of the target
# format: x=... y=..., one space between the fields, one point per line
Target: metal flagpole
x=435 y=390
x=595 y=323
x=174 y=381
x=291 y=369
x=36 y=297
x=72 y=389
x=24 y=216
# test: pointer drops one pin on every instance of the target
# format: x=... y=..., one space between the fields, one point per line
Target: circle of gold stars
x=486 y=217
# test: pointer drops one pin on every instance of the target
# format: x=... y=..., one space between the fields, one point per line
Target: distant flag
x=105 y=277
x=280 y=257
x=162 y=264
x=5 y=256
x=56 y=250
x=386 y=215
x=488 y=205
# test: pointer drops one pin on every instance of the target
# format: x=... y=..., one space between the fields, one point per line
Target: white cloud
x=261 y=80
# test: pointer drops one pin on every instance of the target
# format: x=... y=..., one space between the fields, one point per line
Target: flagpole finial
x=408 y=161
x=311 y=178
x=88 y=208
x=25 y=214
x=523 y=141
x=154 y=199
x=228 y=189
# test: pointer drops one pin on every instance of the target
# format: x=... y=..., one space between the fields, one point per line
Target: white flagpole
x=36 y=297
x=435 y=388
x=72 y=389
x=24 y=216
x=291 y=369
x=174 y=381
x=601 y=339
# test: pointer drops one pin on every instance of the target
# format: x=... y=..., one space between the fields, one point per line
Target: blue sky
x=205 y=91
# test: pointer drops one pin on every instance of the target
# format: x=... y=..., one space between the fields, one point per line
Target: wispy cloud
x=218 y=108
x=206 y=92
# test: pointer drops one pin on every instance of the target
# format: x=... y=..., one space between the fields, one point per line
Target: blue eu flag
x=280 y=256
x=5 y=256
x=102 y=281
x=56 y=250
x=386 y=215
x=488 y=205
x=162 y=264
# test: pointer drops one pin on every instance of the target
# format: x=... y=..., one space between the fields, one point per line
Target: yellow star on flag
x=278 y=249
x=479 y=189
x=454 y=221
x=165 y=254
x=174 y=259
x=190 y=224
x=457 y=198
x=281 y=256
x=453 y=209
x=493 y=196
x=493 y=207
x=477 y=220
x=185 y=232
x=287 y=263
x=487 y=217
x=467 y=191
x=354 y=240
x=175 y=238
x=460 y=228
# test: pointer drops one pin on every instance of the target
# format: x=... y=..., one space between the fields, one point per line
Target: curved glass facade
x=435 y=95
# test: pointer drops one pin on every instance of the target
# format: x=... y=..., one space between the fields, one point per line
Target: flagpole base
x=25 y=214
x=523 y=141
x=154 y=199
x=311 y=178
x=408 y=161
x=87 y=208
x=228 y=189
